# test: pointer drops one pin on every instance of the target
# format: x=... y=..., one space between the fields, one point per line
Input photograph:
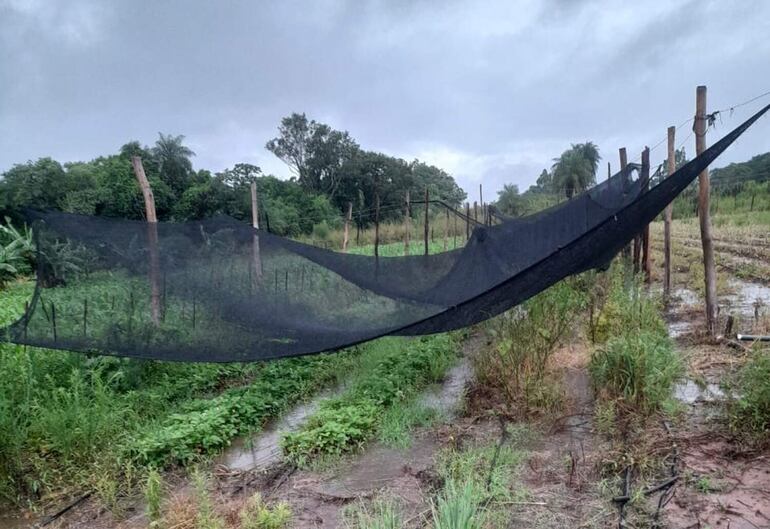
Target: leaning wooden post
x=346 y=233
x=671 y=169
x=255 y=255
x=376 y=224
x=152 y=236
x=646 y=264
x=700 y=126
x=427 y=203
x=407 y=224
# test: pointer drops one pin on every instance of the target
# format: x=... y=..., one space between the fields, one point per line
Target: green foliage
x=749 y=409
x=396 y=369
x=384 y=515
x=575 y=170
x=458 y=507
x=473 y=465
x=153 y=495
x=206 y=516
x=207 y=425
x=258 y=515
x=524 y=339
x=16 y=252
x=638 y=369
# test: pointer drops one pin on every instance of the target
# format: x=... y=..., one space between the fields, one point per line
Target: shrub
x=749 y=412
x=524 y=341
x=637 y=369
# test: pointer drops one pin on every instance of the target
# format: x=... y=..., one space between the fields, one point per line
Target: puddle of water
x=447 y=397
x=264 y=449
x=748 y=296
x=686 y=297
x=689 y=392
x=679 y=328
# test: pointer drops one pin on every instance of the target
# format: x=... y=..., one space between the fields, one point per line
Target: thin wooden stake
x=668 y=213
x=446 y=231
x=376 y=224
x=346 y=235
x=407 y=224
x=467 y=221
x=85 y=316
x=709 y=265
x=53 y=321
x=623 y=165
x=427 y=203
x=609 y=171
x=475 y=211
x=646 y=263
x=255 y=253
x=152 y=235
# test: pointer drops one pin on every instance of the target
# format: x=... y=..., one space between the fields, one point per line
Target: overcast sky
x=489 y=91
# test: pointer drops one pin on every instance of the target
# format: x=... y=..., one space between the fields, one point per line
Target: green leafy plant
x=638 y=370
x=256 y=514
x=749 y=411
x=458 y=507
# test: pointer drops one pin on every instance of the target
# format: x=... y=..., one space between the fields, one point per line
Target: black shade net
x=220 y=291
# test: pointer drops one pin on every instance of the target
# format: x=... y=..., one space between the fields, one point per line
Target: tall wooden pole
x=427 y=202
x=623 y=165
x=646 y=264
x=671 y=168
x=255 y=256
x=407 y=224
x=152 y=236
x=481 y=203
x=700 y=126
x=346 y=234
x=467 y=221
x=376 y=224
x=475 y=211
x=609 y=171
x=254 y=207
x=446 y=231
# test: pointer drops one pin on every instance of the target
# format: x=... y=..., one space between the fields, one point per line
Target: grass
x=635 y=365
x=748 y=409
x=458 y=507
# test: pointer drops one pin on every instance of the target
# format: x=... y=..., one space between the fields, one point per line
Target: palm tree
x=575 y=170
x=174 y=161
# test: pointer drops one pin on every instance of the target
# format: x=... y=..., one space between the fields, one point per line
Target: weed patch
x=749 y=411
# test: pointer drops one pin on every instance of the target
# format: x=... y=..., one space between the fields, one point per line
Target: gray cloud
x=489 y=90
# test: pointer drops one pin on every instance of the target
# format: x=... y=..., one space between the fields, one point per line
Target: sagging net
x=220 y=291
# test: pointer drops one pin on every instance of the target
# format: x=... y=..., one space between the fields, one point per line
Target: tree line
x=329 y=170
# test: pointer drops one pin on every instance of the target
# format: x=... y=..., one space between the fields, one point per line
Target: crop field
x=592 y=402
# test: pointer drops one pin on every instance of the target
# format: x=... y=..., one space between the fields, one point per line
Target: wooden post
x=446 y=231
x=609 y=171
x=700 y=126
x=427 y=203
x=623 y=165
x=454 y=234
x=255 y=255
x=152 y=236
x=475 y=211
x=671 y=168
x=254 y=207
x=481 y=203
x=407 y=224
x=376 y=224
x=467 y=221
x=646 y=264
x=346 y=234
